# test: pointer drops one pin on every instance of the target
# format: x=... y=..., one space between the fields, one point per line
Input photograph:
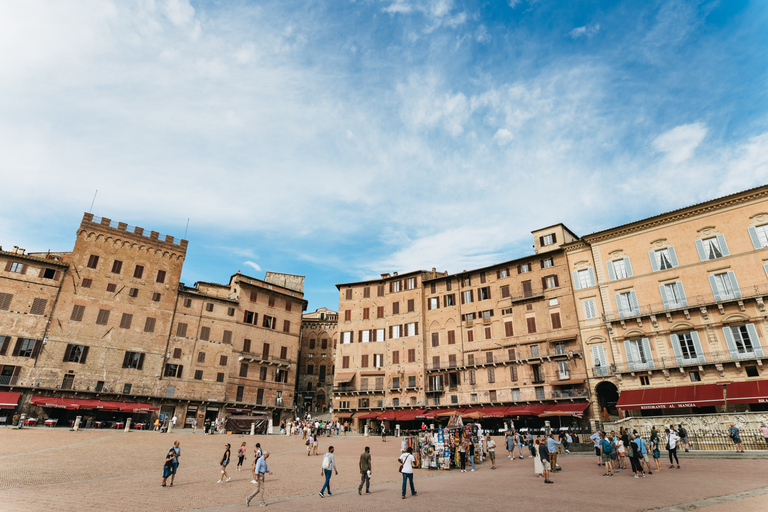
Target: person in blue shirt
x=552 y=448
x=260 y=471
x=596 y=439
x=644 y=453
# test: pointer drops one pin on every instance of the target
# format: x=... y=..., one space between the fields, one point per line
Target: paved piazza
x=55 y=469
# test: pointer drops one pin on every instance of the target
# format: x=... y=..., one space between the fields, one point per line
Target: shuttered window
x=87 y=283
x=161 y=276
x=508 y=329
x=125 y=321
x=451 y=337
x=531 y=324
x=77 y=313
x=201 y=357
x=470 y=336
x=227 y=337
x=38 y=307
x=283 y=352
x=411 y=355
x=380 y=312
x=117 y=266
x=205 y=333
x=395 y=308
x=223 y=360
x=149 y=325
x=435 y=339
x=138 y=272
x=246 y=345
x=93 y=261
x=111 y=287
x=348 y=294
x=177 y=353
x=103 y=317
x=366 y=292
x=396 y=357
x=555 y=320
x=5 y=301
x=513 y=373
x=181 y=329
x=410 y=305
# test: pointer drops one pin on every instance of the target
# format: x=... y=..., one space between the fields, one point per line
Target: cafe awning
x=525 y=410
x=368 y=416
x=748 y=392
x=138 y=408
x=74 y=404
x=565 y=410
x=409 y=415
x=343 y=377
x=489 y=412
x=238 y=409
x=344 y=415
x=389 y=415
x=9 y=400
x=677 y=397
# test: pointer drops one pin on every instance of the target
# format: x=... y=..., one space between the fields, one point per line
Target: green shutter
x=681 y=292
x=649 y=354
x=672 y=256
x=713 y=285
x=592 y=279
x=576 y=285
x=611 y=273
x=628 y=266
x=723 y=245
x=618 y=305
x=736 y=290
x=633 y=302
x=628 y=351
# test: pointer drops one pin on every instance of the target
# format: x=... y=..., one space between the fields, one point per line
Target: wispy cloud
x=679 y=143
x=584 y=31
x=253 y=265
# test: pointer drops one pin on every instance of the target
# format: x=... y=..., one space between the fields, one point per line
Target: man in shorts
x=596 y=439
x=736 y=437
x=544 y=455
x=644 y=453
x=605 y=454
x=510 y=441
x=683 y=437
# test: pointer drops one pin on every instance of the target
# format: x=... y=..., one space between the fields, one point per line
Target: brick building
x=319 y=337
x=111 y=321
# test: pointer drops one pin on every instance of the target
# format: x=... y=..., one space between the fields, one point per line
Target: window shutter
x=542 y=263
x=697 y=346
x=672 y=256
x=178 y=372
x=652 y=257
x=36 y=349
x=755 y=340
x=633 y=302
x=498 y=274
x=681 y=292
x=462 y=297
x=576 y=280
x=647 y=349
x=141 y=362
x=24 y=269
x=67 y=351
x=723 y=245
x=611 y=274
x=519 y=269
x=753 y=236
x=730 y=343
x=628 y=351
x=84 y=355
x=4 y=345
x=628 y=266
x=713 y=285
x=676 y=348
x=416 y=326
x=618 y=305
x=125 y=360
x=429 y=304
x=663 y=291
x=544 y=283
x=390 y=332
x=736 y=290
x=541 y=241
x=8 y=266
x=700 y=250
x=765 y=267
x=471 y=296
x=592 y=279
x=557 y=281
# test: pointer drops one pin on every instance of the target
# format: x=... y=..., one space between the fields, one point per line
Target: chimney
x=394 y=273
x=384 y=276
x=21 y=251
x=15 y=249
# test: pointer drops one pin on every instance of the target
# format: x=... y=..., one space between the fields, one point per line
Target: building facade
x=111 y=321
x=317 y=359
x=671 y=309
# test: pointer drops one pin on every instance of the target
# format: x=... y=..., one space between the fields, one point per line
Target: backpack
x=326 y=462
x=682 y=433
x=607 y=448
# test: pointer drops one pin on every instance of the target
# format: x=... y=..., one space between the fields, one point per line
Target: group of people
x=316 y=427
x=613 y=450
x=520 y=440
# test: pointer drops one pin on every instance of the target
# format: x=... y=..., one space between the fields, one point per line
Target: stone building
x=319 y=337
x=671 y=309
x=111 y=323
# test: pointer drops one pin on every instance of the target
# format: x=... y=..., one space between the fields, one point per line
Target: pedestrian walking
x=406 y=468
x=168 y=466
x=175 y=465
x=240 y=457
x=328 y=465
x=365 y=471
x=383 y=433
x=173 y=421
x=491 y=446
x=672 y=440
x=736 y=438
x=463 y=456
x=538 y=467
x=310 y=444
x=224 y=462
x=157 y=424
x=471 y=454
x=568 y=442
x=656 y=453
x=194 y=425
x=510 y=442
x=315 y=443
x=260 y=470
x=256 y=454
x=206 y=426
x=544 y=457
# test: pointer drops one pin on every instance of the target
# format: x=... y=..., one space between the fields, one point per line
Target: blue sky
x=340 y=139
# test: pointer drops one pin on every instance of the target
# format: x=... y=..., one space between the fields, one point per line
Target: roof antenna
x=94 y=200
x=186 y=229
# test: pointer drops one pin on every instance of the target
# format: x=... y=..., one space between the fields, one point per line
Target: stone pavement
x=55 y=469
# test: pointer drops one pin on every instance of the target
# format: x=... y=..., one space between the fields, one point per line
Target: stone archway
x=607 y=396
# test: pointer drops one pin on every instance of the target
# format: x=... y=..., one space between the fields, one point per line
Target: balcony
x=534 y=294
x=268 y=360
x=354 y=390
x=663 y=363
x=503 y=359
x=557 y=394
x=757 y=291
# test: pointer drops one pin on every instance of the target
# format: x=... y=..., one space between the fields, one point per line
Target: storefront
x=8 y=403
x=93 y=413
x=702 y=398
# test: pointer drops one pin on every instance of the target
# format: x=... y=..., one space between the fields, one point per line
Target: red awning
x=409 y=415
x=9 y=400
x=565 y=410
x=368 y=416
x=526 y=410
x=489 y=412
x=56 y=403
x=138 y=408
x=749 y=392
x=389 y=415
x=442 y=413
x=237 y=409
x=672 y=397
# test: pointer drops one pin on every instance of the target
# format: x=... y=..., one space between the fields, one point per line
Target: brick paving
x=55 y=469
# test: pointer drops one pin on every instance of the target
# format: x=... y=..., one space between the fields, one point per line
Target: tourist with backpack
x=683 y=437
x=240 y=457
x=635 y=455
x=328 y=465
x=606 y=449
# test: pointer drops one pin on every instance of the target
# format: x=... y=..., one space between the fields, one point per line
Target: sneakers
x=472 y=470
x=521 y=456
x=253 y=481
x=414 y=493
x=567 y=451
x=650 y=472
x=678 y=467
x=637 y=476
x=360 y=491
x=321 y=495
x=247 y=502
x=672 y=467
x=218 y=482
x=403 y=496
x=367 y=492
x=229 y=478
x=548 y=482
x=643 y=475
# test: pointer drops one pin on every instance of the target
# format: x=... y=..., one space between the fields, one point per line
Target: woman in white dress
x=538 y=467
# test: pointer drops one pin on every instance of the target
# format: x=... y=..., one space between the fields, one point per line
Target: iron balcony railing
x=480 y=361
x=662 y=363
x=745 y=292
x=536 y=293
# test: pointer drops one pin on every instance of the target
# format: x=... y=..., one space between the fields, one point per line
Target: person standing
x=568 y=441
x=656 y=453
x=472 y=454
x=260 y=471
x=596 y=439
x=383 y=433
x=605 y=454
x=328 y=465
x=365 y=471
x=157 y=424
x=736 y=438
x=168 y=466
x=240 y=457
x=552 y=449
x=310 y=444
x=643 y=453
x=407 y=460
x=544 y=457
x=672 y=440
x=764 y=432
x=683 y=437
x=315 y=443
x=635 y=455
x=206 y=426
x=491 y=446
x=538 y=468
x=173 y=422
x=463 y=456
x=175 y=466
x=224 y=462
x=194 y=425
x=510 y=442
x=531 y=449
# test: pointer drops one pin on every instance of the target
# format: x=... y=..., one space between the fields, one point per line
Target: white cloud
x=253 y=265
x=586 y=31
x=179 y=11
x=503 y=137
x=513 y=3
x=680 y=142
